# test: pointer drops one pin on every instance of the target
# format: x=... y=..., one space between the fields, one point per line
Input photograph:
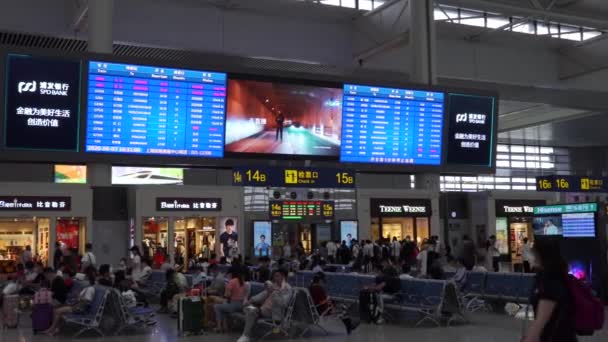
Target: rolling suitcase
x=42 y=317
x=10 y=311
x=190 y=315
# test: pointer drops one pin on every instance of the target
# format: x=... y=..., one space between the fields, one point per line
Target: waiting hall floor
x=485 y=328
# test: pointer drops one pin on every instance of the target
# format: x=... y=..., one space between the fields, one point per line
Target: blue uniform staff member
x=228 y=234
x=262 y=247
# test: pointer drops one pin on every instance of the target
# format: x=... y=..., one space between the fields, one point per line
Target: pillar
x=423 y=71
x=100 y=26
x=422 y=42
x=171 y=240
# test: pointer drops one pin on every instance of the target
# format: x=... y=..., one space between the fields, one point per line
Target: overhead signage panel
x=293 y=177
x=556 y=183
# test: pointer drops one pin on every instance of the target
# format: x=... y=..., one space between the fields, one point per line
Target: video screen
x=262 y=238
x=548 y=225
x=282 y=118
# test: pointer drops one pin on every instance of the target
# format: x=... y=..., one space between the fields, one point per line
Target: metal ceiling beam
x=508 y=9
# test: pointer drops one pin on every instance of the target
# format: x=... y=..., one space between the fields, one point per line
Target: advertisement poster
x=67 y=233
x=348 y=232
x=229 y=237
x=262 y=238
x=502 y=237
x=75 y=174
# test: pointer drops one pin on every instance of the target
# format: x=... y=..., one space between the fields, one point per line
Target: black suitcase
x=368 y=306
x=190 y=315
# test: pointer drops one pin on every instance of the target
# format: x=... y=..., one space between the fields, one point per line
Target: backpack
x=588 y=309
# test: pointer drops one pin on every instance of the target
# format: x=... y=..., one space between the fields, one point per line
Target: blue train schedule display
x=136 y=109
x=391 y=126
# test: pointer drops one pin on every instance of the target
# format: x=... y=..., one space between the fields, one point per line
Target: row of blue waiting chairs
x=430 y=299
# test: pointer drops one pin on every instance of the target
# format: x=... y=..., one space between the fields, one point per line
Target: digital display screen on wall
x=76 y=174
x=262 y=238
x=391 y=126
x=471 y=130
x=124 y=175
x=42 y=103
x=283 y=119
x=138 y=109
x=579 y=224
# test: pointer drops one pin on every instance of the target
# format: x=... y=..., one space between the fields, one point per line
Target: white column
x=171 y=240
x=100 y=25
x=423 y=71
x=52 y=239
x=422 y=42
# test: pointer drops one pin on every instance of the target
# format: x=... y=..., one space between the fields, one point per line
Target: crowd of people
x=227 y=292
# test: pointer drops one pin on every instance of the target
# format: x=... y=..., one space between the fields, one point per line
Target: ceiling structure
x=553 y=91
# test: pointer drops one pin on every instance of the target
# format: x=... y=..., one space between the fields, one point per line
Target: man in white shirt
x=527 y=256
x=287 y=251
x=395 y=249
x=88 y=259
x=332 y=250
x=422 y=259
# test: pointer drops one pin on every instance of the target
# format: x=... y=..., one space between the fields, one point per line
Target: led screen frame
x=234 y=69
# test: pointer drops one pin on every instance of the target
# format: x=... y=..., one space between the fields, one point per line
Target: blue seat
x=526 y=287
x=493 y=286
x=256 y=288
x=90 y=320
x=475 y=283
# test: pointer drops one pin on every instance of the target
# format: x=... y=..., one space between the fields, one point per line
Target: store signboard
x=555 y=183
x=400 y=207
x=44 y=203
x=188 y=204
x=507 y=208
x=566 y=208
x=299 y=210
x=293 y=177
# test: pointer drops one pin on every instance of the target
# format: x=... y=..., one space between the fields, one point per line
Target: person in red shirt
x=324 y=304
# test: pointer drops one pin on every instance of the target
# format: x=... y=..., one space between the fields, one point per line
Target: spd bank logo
x=45 y=88
x=462 y=118
x=27 y=87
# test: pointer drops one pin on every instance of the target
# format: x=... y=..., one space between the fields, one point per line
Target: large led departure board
x=391 y=126
x=138 y=109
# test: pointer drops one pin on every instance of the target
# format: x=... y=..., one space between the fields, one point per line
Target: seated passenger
x=270 y=303
x=218 y=282
x=264 y=269
x=232 y=301
x=58 y=288
x=105 y=277
x=325 y=305
x=387 y=284
x=171 y=289
x=198 y=277
x=82 y=306
x=141 y=277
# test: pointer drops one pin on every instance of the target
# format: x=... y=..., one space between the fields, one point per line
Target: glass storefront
x=17 y=233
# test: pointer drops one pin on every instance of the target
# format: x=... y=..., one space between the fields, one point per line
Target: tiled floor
x=484 y=328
